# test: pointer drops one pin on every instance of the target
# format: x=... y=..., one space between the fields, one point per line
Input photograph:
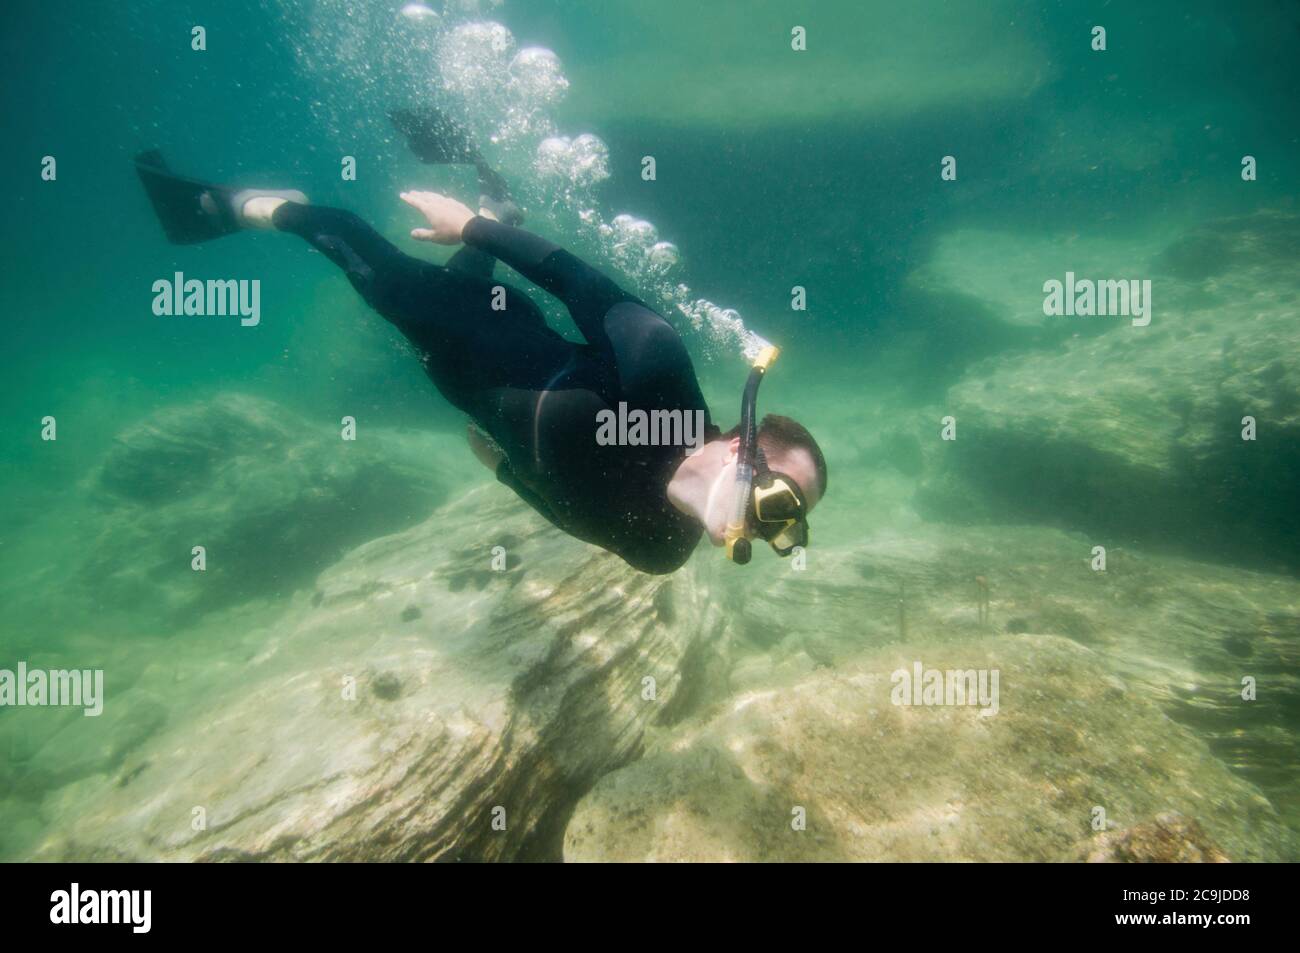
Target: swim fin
x=437 y=139
x=434 y=137
x=192 y=211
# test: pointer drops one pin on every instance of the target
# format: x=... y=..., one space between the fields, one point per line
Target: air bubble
x=663 y=257
x=642 y=233
x=473 y=58
x=420 y=13
x=506 y=98
x=537 y=77
x=582 y=162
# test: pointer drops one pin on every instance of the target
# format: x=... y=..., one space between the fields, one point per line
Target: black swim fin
x=437 y=139
x=192 y=211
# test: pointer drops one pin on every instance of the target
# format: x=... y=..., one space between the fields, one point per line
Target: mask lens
x=790 y=536
x=777 y=499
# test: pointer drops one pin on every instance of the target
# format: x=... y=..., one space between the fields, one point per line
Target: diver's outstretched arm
x=586 y=292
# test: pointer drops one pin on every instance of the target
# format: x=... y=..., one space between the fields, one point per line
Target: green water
x=818 y=168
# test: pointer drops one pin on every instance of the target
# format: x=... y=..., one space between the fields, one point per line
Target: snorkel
x=738 y=547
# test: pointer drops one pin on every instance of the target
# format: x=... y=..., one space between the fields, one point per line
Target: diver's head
x=704 y=484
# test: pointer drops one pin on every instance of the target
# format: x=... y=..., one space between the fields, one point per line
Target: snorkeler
x=534 y=397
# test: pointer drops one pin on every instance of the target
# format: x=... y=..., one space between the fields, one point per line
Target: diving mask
x=779 y=512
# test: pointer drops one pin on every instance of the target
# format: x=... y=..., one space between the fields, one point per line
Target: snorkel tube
x=738 y=548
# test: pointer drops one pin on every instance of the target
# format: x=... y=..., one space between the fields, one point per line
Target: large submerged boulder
x=826 y=767
x=443 y=693
x=272 y=497
x=1136 y=433
x=1188 y=635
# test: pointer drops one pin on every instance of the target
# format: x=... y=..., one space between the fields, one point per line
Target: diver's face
x=705 y=485
x=797 y=464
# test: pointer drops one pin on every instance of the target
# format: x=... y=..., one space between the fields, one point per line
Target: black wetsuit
x=536 y=394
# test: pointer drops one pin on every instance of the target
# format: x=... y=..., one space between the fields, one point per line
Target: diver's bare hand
x=445 y=215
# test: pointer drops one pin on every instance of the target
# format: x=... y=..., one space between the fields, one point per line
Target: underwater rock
x=87 y=746
x=1187 y=634
x=1168 y=839
x=998 y=276
x=1136 y=433
x=361 y=732
x=872 y=780
x=178 y=450
x=271 y=496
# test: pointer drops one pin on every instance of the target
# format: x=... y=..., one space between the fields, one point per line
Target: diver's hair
x=778 y=435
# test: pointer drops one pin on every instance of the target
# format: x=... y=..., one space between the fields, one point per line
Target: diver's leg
x=494 y=198
x=192 y=210
x=438 y=139
x=448 y=315
x=393 y=283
